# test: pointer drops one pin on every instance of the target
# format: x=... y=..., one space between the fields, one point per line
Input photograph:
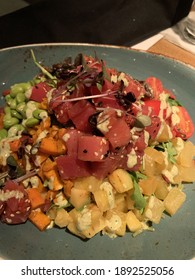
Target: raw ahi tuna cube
x=92 y=148
x=112 y=124
x=80 y=113
x=70 y=167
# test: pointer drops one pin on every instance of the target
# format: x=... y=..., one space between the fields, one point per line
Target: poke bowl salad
x=90 y=149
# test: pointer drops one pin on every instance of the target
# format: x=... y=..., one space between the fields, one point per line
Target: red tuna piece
x=92 y=148
x=16 y=203
x=70 y=167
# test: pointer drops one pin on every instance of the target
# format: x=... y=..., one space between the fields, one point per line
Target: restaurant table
x=164 y=47
x=170 y=42
x=169 y=49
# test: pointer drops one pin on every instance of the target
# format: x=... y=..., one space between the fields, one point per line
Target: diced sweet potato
x=54 y=181
x=52 y=146
x=39 y=219
x=36 y=199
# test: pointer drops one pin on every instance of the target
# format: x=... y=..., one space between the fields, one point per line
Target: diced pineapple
x=174 y=200
x=171 y=173
x=129 y=201
x=101 y=200
x=52 y=212
x=121 y=180
x=72 y=226
x=62 y=218
x=90 y=183
x=133 y=223
x=185 y=174
x=121 y=202
x=86 y=223
x=79 y=197
x=149 y=185
x=186 y=155
x=94 y=229
x=154 y=209
x=156 y=156
x=153 y=162
x=162 y=189
x=73 y=229
x=97 y=222
x=139 y=214
x=115 y=222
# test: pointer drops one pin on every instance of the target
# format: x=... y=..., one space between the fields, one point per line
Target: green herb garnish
x=137 y=196
x=44 y=71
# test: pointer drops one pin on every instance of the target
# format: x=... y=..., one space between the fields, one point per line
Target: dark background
x=115 y=22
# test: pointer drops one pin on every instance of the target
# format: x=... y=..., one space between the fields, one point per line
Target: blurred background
x=113 y=22
x=9 y=6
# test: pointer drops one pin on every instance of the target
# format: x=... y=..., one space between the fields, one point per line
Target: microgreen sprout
x=44 y=71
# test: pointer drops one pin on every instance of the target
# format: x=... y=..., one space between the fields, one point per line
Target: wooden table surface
x=166 y=48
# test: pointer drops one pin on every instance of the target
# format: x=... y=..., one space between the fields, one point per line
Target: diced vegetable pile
x=91 y=149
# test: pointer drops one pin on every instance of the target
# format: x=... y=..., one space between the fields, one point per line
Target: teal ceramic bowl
x=173 y=238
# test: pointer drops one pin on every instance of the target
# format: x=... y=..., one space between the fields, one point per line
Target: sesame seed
x=9 y=221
